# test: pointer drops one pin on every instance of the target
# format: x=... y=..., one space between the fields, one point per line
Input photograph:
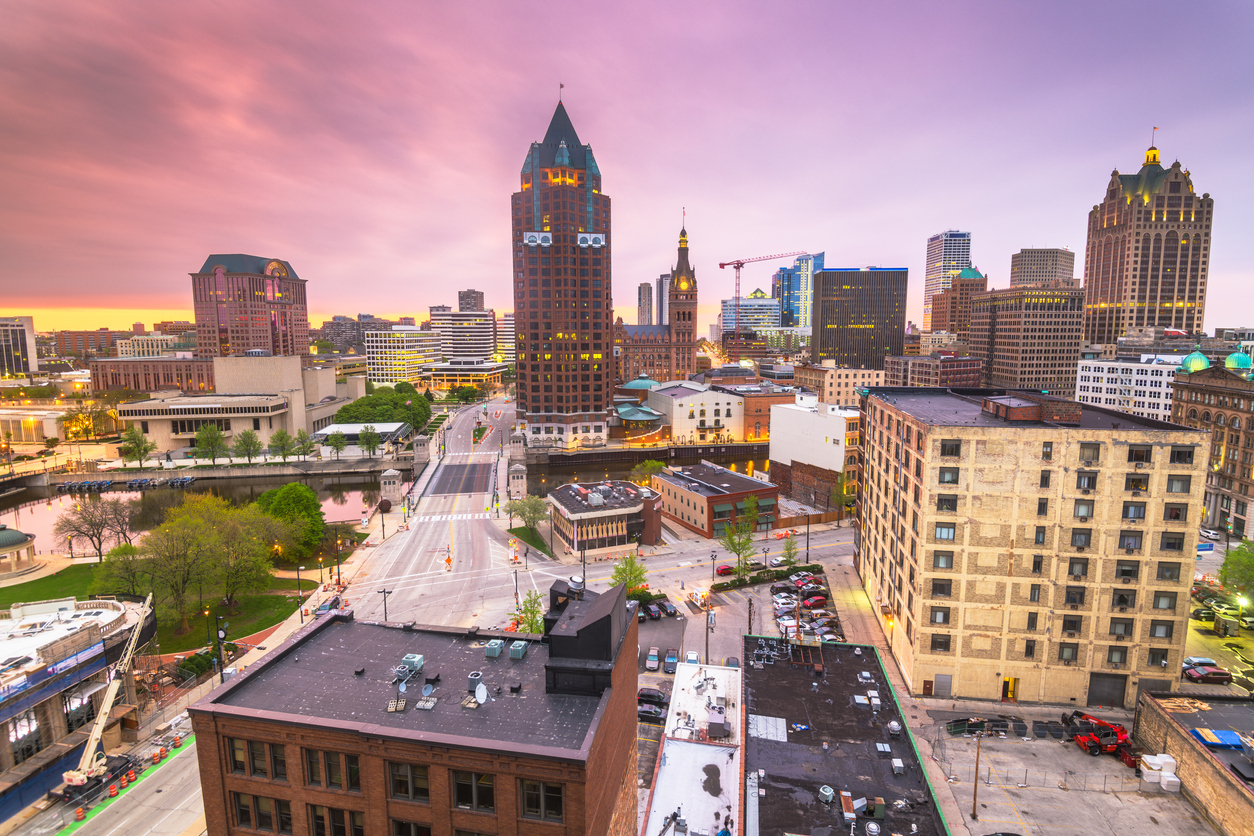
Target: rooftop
x=313 y=680
x=809 y=730
x=699 y=781
x=241 y=263
x=711 y=480
x=597 y=497
x=26 y=634
x=695 y=692
x=1222 y=714
x=201 y=402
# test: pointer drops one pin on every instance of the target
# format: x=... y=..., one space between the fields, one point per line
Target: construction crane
x=738 y=263
x=92 y=763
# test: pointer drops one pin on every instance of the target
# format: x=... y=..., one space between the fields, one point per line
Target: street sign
x=1205 y=547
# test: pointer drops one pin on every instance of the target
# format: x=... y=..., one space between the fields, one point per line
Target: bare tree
x=90 y=522
x=121 y=516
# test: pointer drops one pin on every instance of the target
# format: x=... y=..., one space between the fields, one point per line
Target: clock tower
x=682 y=315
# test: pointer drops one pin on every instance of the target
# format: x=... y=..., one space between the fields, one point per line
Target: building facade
x=1143 y=387
x=758 y=399
x=794 y=288
x=174 y=326
x=147 y=345
x=402 y=353
x=663 y=296
x=1029 y=337
x=934 y=371
x=506 y=339
x=860 y=315
x=1036 y=266
x=696 y=413
x=248 y=303
x=102 y=342
x=948 y=254
x=644 y=304
x=814 y=452
x=757 y=311
x=951 y=308
x=1023 y=547
x=470 y=300
x=469 y=335
x=707 y=497
x=563 y=288
x=607 y=518
x=19 y=356
x=152 y=374
x=668 y=350
x=1147 y=255
x=836 y=385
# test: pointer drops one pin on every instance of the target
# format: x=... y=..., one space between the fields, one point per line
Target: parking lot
x=663 y=633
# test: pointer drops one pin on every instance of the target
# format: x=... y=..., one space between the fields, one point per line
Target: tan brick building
x=836 y=384
x=317 y=738
x=1029 y=337
x=1028 y=548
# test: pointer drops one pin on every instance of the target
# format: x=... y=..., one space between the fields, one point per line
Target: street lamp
x=712 y=556
x=320 y=580
x=385 y=593
x=70 y=539
x=339 y=578
x=300 y=604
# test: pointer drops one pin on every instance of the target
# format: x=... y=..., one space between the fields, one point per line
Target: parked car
x=786 y=621
x=725 y=569
x=784 y=597
x=640 y=616
x=778 y=561
x=1197 y=661
x=653 y=611
x=731 y=662
x=756 y=565
x=1224 y=609
x=1210 y=533
x=1208 y=675
x=649 y=713
x=816 y=601
x=1203 y=614
x=651 y=661
x=692 y=658
x=668 y=608
x=782 y=586
x=800 y=575
x=652 y=695
x=812 y=589
x=671 y=660
x=1246 y=621
x=822 y=614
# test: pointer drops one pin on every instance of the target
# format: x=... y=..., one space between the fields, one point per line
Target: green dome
x=1236 y=361
x=12 y=538
x=1195 y=362
x=641 y=382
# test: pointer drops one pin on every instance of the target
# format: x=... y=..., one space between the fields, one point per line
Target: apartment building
x=933 y=371
x=1142 y=387
x=402 y=353
x=834 y=384
x=1028 y=548
x=814 y=451
x=1029 y=336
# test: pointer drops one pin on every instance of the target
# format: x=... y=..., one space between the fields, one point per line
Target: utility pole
x=975 y=779
x=750 y=629
x=218 y=649
x=385 y=593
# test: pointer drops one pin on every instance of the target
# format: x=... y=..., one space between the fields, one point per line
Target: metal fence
x=1014 y=779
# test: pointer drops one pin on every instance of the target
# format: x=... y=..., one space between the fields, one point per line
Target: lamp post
x=70 y=539
x=208 y=632
x=300 y=598
x=218 y=648
x=712 y=556
x=320 y=579
x=765 y=551
x=339 y=578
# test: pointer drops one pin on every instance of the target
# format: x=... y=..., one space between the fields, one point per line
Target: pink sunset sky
x=375 y=145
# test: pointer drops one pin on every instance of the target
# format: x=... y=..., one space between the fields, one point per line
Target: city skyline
x=115 y=181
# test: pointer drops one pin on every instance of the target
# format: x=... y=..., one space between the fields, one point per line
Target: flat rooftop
x=1223 y=714
x=712 y=480
x=695 y=692
x=700 y=781
x=808 y=730
x=312 y=681
x=614 y=496
x=965 y=408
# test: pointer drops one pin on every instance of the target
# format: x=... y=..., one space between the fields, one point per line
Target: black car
x=668 y=608
x=648 y=713
x=1203 y=614
x=653 y=611
x=783 y=586
x=652 y=696
x=640 y=616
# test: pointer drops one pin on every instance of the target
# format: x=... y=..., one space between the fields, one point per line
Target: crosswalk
x=448 y=517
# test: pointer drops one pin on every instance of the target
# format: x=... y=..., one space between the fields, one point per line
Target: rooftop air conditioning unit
x=517 y=650
x=413 y=661
x=494 y=648
x=826 y=794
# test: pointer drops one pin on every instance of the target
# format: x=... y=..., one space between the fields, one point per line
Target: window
x=1179 y=484
x=1123 y=598
x=1045 y=478
x=1182 y=455
x=1117 y=655
x=1078 y=566
x=1122 y=626
x=1129 y=540
x=951 y=447
x=1081 y=538
x=541 y=801
x=1090 y=452
x=328 y=821
x=264 y=809
x=406 y=828
x=1074 y=595
x=1168 y=571
x=1084 y=508
x=1068 y=651
x=1175 y=512
x=1029 y=649
x=1136 y=483
x=941 y=589
x=1032 y=621
x=1034 y=592
x=278 y=761
x=257 y=759
x=945 y=531
x=1040 y=536
x=334 y=773
x=1164 y=600
x=1139 y=453
x=1042 y=507
x=352 y=770
x=1172 y=541
x=1038 y=561
x=1158 y=656
x=313 y=767
x=1072 y=623
x=243 y=809
x=1127 y=569
x=1161 y=629
x=946 y=502
x=1134 y=510
x=949 y=475
x=1047 y=450
x=1086 y=480
x=474 y=791
x=237 y=750
x=942 y=560
x=409 y=782
x=940 y=643
x=940 y=615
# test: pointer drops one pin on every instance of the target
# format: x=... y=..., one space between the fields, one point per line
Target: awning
x=762 y=502
x=718 y=508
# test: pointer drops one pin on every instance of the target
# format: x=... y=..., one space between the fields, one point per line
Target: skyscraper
x=951 y=309
x=1145 y=263
x=1033 y=266
x=1029 y=336
x=948 y=253
x=668 y=350
x=663 y=298
x=470 y=300
x=794 y=288
x=249 y=303
x=859 y=315
x=465 y=335
x=644 y=304
x=18 y=357
x=562 y=289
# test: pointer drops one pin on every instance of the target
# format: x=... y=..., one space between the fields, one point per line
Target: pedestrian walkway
x=448 y=517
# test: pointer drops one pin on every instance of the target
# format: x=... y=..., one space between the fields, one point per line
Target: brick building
x=951 y=309
x=706 y=497
x=1029 y=336
x=758 y=398
x=152 y=374
x=88 y=343
x=814 y=452
x=934 y=371
x=317 y=738
x=249 y=303
x=836 y=384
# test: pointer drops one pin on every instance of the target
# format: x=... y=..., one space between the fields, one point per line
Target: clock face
x=683 y=284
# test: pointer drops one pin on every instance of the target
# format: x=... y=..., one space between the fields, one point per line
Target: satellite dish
x=481 y=693
x=427 y=689
x=402 y=687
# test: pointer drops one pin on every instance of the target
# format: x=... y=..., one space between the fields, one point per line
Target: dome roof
x=1194 y=362
x=1237 y=361
x=641 y=382
x=12 y=538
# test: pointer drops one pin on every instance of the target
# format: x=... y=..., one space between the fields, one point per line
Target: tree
x=297 y=505
x=303 y=445
x=737 y=536
x=404 y=388
x=247 y=446
x=323 y=347
x=124 y=571
x=643 y=473
x=241 y=547
x=790 y=552
x=1238 y=568
x=429 y=395
x=840 y=496
x=338 y=443
x=88 y=521
x=368 y=440
x=530 y=613
x=120 y=518
x=484 y=390
x=135 y=445
x=387 y=405
x=629 y=571
x=175 y=552
x=51 y=443
x=282 y=444
x=530 y=509
x=210 y=443
x=465 y=394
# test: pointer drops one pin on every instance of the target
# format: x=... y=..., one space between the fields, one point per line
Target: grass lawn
x=73 y=581
x=479 y=433
x=531 y=538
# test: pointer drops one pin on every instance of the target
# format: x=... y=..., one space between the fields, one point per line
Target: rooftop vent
x=494 y=648
x=517 y=650
x=596 y=500
x=515 y=687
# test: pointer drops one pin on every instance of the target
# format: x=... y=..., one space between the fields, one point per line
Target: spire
x=682 y=267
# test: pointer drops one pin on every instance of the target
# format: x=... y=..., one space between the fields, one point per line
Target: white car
x=1210 y=534
x=692 y=658
x=1199 y=662
x=784 y=598
x=1221 y=608
x=786 y=621
x=777 y=562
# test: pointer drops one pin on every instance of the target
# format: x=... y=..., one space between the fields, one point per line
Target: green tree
x=297 y=505
x=304 y=445
x=643 y=473
x=405 y=388
x=282 y=444
x=368 y=440
x=465 y=394
x=323 y=347
x=241 y=549
x=370 y=387
x=841 y=496
x=484 y=390
x=530 y=509
x=51 y=443
x=88 y=521
x=737 y=537
x=1238 y=568
x=387 y=405
x=247 y=446
x=338 y=443
x=124 y=571
x=135 y=445
x=630 y=571
x=210 y=443
x=530 y=613
x=790 y=552
x=175 y=552
x=429 y=395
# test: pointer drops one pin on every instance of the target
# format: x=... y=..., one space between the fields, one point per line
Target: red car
x=1211 y=676
x=725 y=569
x=813 y=603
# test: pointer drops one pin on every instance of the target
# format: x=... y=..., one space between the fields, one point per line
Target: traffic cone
x=130 y=775
x=156 y=757
x=113 y=790
x=80 y=814
x=178 y=741
x=122 y=783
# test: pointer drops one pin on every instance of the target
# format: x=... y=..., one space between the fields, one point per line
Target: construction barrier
x=178 y=741
x=113 y=790
x=122 y=783
x=80 y=814
x=130 y=775
x=164 y=752
x=156 y=758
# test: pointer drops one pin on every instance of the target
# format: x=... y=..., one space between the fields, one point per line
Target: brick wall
x=1225 y=801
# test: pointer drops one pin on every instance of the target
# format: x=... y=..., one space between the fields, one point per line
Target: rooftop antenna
x=560 y=86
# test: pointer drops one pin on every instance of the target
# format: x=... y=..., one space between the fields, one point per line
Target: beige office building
x=1029 y=336
x=834 y=384
x=1034 y=266
x=1028 y=548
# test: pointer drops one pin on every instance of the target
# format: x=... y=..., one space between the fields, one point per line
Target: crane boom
x=88 y=764
x=738 y=263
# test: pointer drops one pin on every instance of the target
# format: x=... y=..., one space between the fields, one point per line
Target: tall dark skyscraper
x=859 y=315
x=563 y=299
